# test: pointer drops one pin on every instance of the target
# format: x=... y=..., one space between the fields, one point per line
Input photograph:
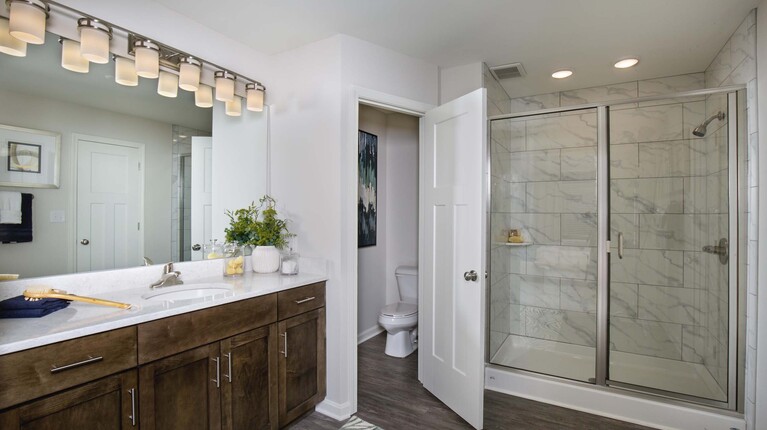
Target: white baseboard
x=369 y=334
x=339 y=412
x=637 y=410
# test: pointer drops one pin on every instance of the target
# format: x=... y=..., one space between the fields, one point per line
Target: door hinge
x=138 y=226
x=608 y=245
x=139 y=166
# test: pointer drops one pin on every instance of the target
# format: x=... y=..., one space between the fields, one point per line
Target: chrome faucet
x=169 y=277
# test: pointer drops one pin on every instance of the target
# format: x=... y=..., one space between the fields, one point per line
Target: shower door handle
x=620 y=246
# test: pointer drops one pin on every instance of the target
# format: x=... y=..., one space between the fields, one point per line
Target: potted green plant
x=242 y=228
x=271 y=235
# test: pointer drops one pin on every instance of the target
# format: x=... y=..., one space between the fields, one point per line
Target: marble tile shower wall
x=736 y=64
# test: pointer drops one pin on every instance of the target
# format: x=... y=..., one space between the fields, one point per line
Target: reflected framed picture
x=367 y=202
x=31 y=157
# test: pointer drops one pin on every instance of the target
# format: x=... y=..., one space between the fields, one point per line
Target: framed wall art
x=367 y=215
x=29 y=158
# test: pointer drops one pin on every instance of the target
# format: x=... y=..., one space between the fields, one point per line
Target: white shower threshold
x=577 y=362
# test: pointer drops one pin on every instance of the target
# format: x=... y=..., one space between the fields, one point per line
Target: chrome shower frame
x=737 y=250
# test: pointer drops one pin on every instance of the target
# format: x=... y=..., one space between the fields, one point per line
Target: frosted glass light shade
x=71 y=59
x=189 y=76
x=125 y=72
x=224 y=86
x=94 y=45
x=255 y=98
x=203 y=97
x=9 y=44
x=147 y=62
x=167 y=85
x=234 y=107
x=27 y=21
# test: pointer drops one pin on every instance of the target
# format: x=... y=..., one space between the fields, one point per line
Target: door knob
x=470 y=275
x=196 y=247
x=85 y=241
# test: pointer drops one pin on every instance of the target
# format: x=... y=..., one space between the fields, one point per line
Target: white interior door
x=452 y=340
x=108 y=206
x=202 y=193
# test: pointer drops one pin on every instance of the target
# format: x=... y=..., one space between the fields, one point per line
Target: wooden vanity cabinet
x=107 y=403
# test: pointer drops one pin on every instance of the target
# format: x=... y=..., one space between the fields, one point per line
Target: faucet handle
x=168 y=268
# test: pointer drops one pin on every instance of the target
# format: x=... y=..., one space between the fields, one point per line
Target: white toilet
x=400 y=319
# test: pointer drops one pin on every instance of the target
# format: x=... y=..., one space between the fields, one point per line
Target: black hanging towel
x=16 y=233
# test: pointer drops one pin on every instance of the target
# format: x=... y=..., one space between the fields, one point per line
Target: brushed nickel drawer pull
x=308 y=299
x=132 y=416
x=89 y=360
x=229 y=359
x=218 y=372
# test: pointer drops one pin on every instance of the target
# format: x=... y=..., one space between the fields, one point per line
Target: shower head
x=700 y=130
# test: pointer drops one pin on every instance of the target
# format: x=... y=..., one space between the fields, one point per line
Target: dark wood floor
x=390 y=396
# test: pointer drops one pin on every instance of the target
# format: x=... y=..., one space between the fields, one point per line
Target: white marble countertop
x=82 y=319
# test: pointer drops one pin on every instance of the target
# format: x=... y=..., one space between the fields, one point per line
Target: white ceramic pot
x=265 y=259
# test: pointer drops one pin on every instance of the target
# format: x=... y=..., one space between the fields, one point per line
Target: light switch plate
x=57 y=216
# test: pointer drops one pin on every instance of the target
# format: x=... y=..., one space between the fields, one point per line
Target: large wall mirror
x=139 y=174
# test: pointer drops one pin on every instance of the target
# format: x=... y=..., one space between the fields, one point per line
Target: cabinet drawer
x=168 y=336
x=299 y=300
x=39 y=371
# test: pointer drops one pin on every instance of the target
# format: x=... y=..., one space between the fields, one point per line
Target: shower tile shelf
x=514 y=244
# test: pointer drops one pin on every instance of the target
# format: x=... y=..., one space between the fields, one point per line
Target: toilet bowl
x=400 y=319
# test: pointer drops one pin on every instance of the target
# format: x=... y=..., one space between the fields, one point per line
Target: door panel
x=202 y=192
x=452 y=305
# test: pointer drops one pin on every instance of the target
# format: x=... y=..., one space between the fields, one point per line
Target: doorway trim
x=349 y=177
x=76 y=138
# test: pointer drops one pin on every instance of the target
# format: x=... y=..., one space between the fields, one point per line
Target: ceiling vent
x=508 y=71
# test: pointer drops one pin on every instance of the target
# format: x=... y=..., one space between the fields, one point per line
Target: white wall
x=240 y=163
x=371 y=260
x=401 y=153
x=459 y=80
x=51 y=251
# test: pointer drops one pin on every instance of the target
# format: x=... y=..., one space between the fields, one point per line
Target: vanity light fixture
x=561 y=74
x=167 y=85
x=234 y=107
x=147 y=59
x=189 y=73
x=94 y=40
x=626 y=63
x=224 y=85
x=9 y=44
x=27 y=20
x=71 y=59
x=255 y=95
x=203 y=97
x=125 y=72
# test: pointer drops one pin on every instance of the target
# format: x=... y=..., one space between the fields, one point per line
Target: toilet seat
x=399 y=310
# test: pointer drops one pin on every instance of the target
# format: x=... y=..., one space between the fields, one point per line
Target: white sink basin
x=188 y=292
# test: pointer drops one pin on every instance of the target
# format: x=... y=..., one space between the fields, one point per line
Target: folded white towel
x=10 y=207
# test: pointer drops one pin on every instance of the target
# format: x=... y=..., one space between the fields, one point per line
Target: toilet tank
x=407 y=283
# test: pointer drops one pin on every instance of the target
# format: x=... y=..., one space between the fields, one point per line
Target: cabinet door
x=249 y=380
x=302 y=364
x=182 y=391
x=108 y=403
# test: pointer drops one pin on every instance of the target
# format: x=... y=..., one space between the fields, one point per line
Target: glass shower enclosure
x=614 y=241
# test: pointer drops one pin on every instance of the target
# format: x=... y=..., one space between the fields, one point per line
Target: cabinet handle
x=218 y=372
x=229 y=359
x=308 y=299
x=284 y=344
x=132 y=416
x=89 y=360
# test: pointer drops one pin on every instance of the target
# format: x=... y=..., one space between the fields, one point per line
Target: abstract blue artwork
x=368 y=188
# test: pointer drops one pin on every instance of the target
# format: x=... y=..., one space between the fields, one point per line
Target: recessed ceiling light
x=561 y=74
x=625 y=64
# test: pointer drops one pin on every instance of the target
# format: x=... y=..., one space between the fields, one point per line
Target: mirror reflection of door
x=202 y=196
x=109 y=199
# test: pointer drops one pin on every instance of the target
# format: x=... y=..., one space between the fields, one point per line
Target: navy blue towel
x=17 y=307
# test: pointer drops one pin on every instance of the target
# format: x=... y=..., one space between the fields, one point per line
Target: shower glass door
x=670 y=173
x=543 y=257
